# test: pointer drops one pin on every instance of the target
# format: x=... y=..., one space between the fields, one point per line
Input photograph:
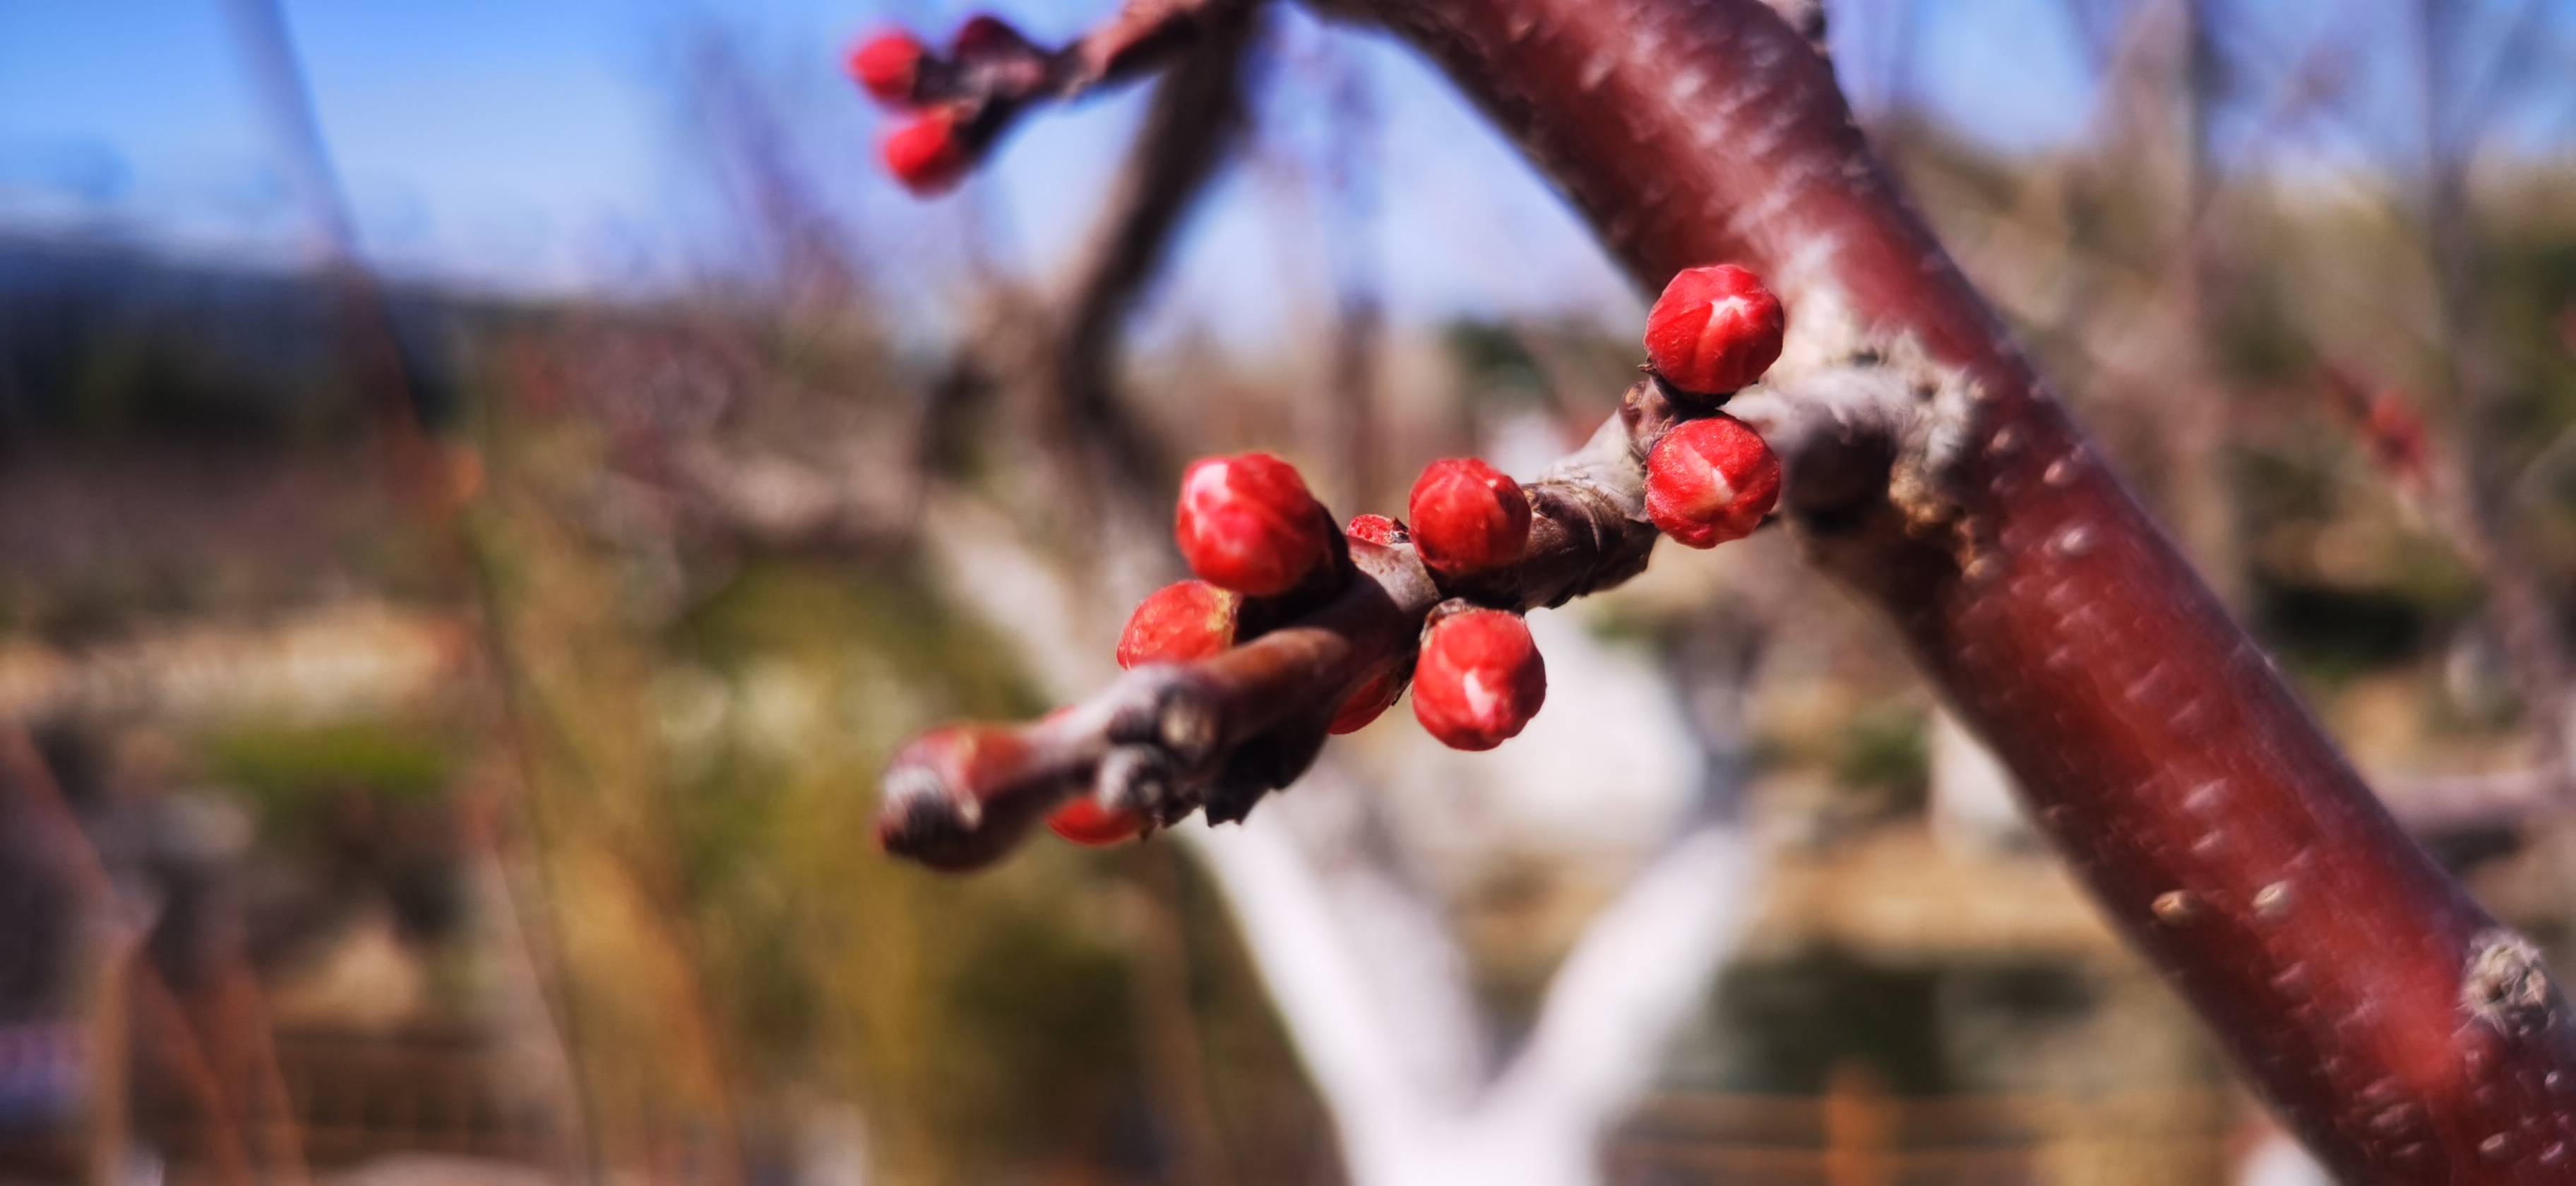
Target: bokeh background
x=484 y=487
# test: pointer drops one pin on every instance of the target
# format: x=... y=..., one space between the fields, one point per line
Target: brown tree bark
x=2401 y=1032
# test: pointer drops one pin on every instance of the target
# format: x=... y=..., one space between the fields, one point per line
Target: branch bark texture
x=2399 y=1030
x=1218 y=733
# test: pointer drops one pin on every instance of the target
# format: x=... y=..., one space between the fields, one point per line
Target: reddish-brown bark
x=2399 y=1031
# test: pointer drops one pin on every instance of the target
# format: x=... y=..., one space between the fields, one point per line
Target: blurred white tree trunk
x=1639 y=972
x=1367 y=977
x=1973 y=808
x=2279 y=1161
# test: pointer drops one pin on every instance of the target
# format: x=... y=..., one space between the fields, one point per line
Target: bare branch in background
x=1198 y=116
x=1057 y=363
x=2536 y=648
x=807 y=249
x=1359 y=314
x=424 y=480
x=386 y=371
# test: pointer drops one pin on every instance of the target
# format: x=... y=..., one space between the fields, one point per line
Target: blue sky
x=553 y=147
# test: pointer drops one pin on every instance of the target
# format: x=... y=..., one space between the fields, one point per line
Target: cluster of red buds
x=1294 y=628
x=957 y=101
x=1261 y=544
x=1713 y=331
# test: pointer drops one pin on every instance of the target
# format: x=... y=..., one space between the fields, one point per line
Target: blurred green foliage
x=285 y=768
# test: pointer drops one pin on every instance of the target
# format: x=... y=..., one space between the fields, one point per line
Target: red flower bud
x=1378 y=529
x=1084 y=821
x=925 y=154
x=1247 y=522
x=1709 y=481
x=1468 y=516
x=1179 y=622
x=1714 y=330
x=1479 y=680
x=887 y=65
x=1374 y=697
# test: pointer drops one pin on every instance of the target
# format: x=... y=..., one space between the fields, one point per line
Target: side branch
x=1156 y=739
x=1218 y=733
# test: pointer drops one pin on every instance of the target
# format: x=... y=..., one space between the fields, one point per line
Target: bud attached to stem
x=887 y=65
x=1711 y=480
x=1468 y=517
x=1479 y=680
x=1714 y=330
x=1248 y=523
x=927 y=154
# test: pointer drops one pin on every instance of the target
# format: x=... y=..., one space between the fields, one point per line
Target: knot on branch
x=2507 y=983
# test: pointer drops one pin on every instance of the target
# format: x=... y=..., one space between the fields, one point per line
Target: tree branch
x=2400 y=1032
x=1360 y=969
x=1168 y=739
x=1220 y=732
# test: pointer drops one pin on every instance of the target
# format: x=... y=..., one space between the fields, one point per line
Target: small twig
x=1166 y=738
x=1249 y=719
x=1218 y=733
x=1144 y=36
